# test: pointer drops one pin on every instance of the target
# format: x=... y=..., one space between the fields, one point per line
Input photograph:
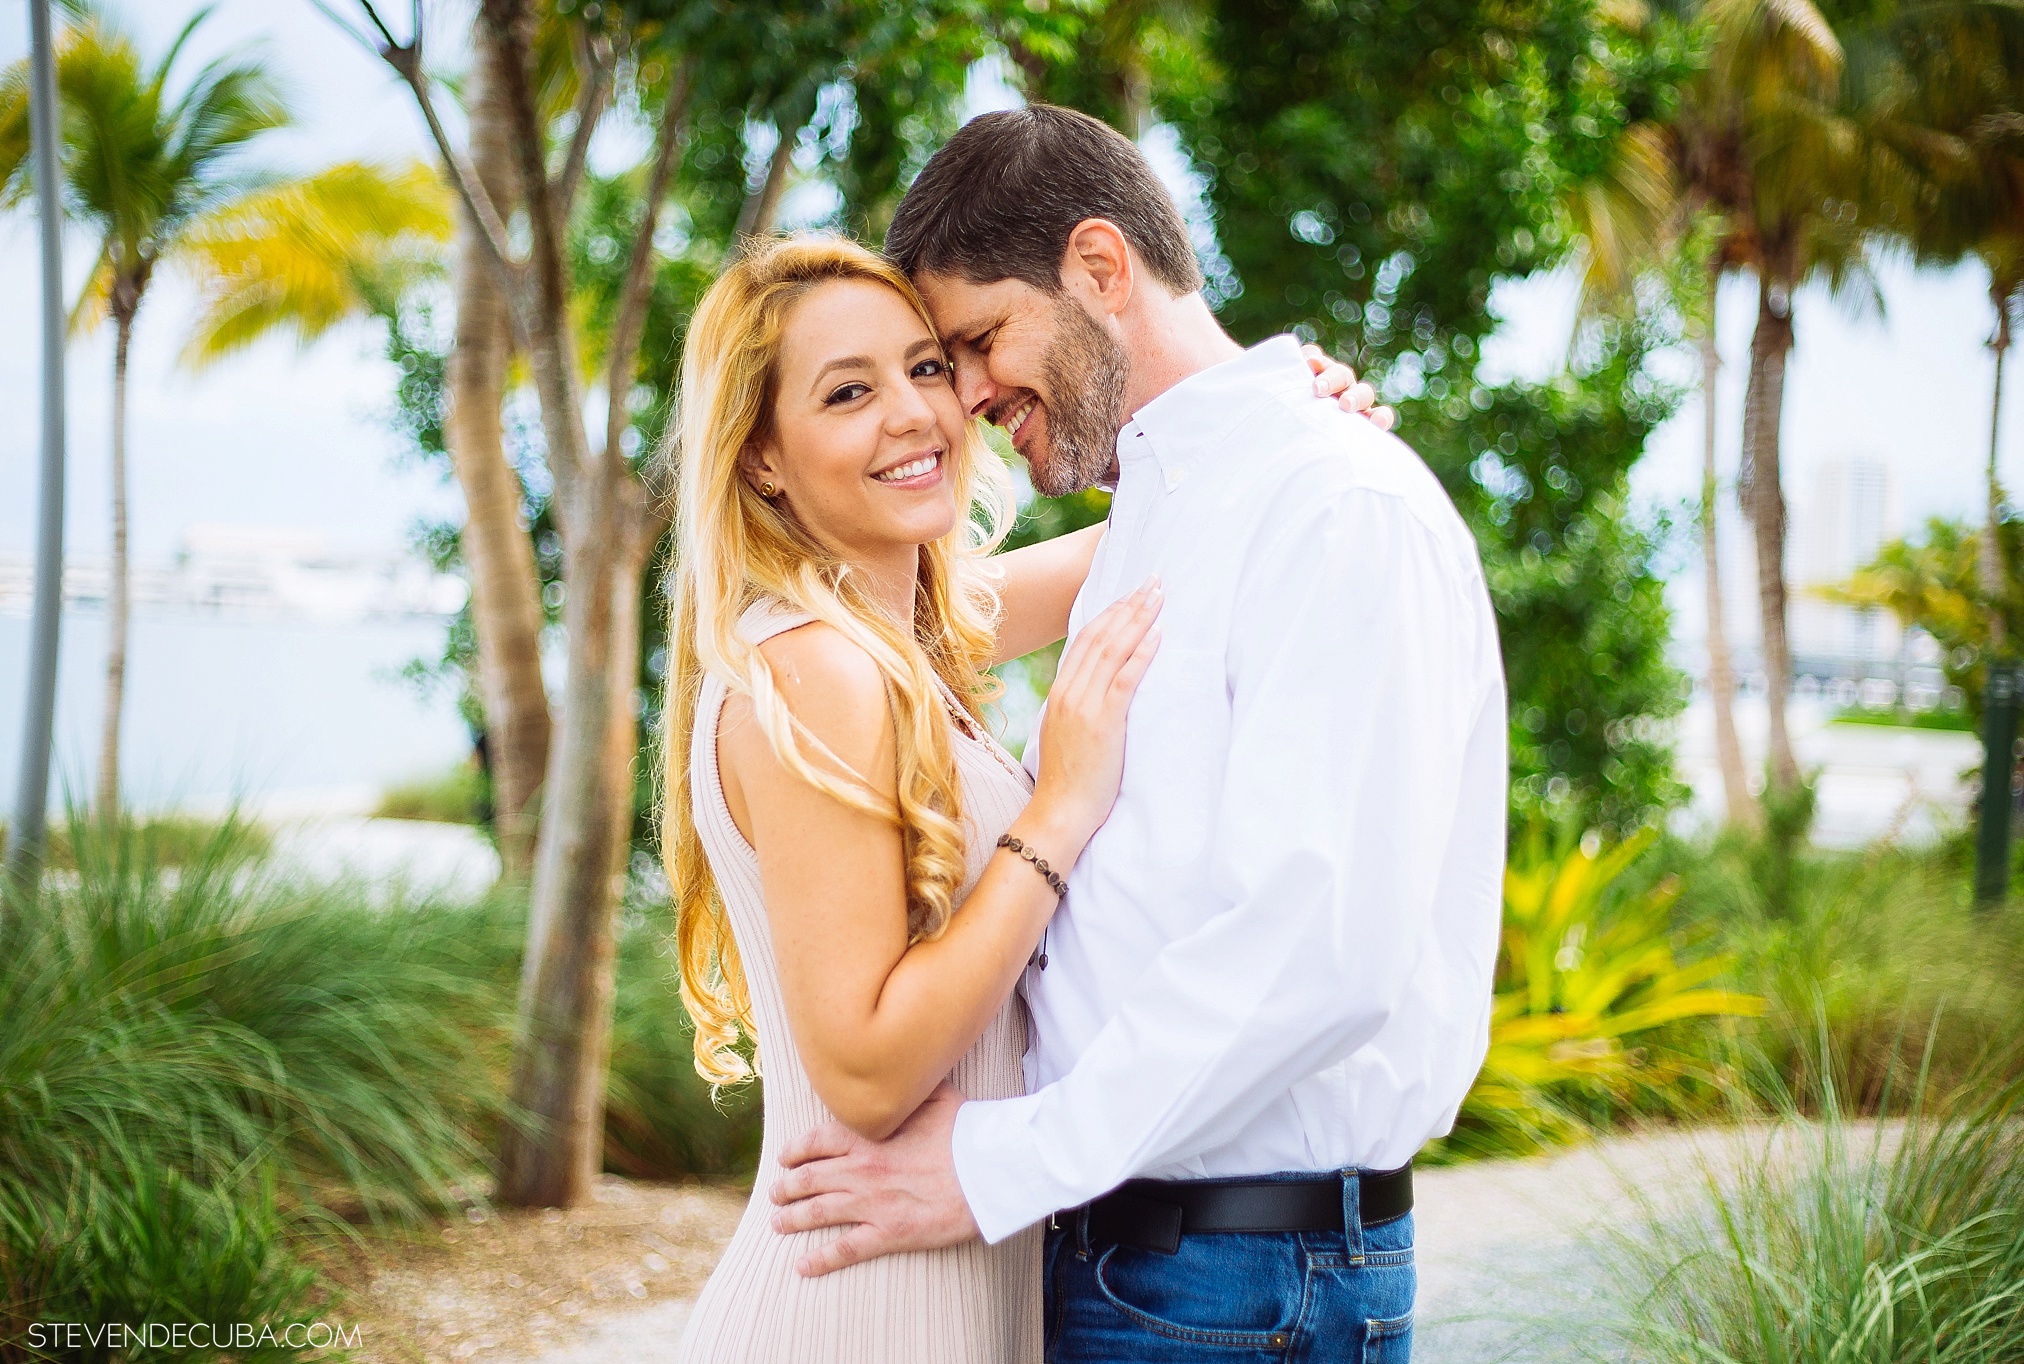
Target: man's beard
x=1085 y=372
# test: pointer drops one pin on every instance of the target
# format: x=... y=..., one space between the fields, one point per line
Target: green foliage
x=1932 y=583
x=1375 y=168
x=1856 y=954
x=462 y=795
x=209 y=1047
x=165 y=840
x=661 y=1120
x=1583 y=969
x=1946 y=721
x=1839 y=1245
x=206 y=1062
x=1575 y=576
x=136 y=1244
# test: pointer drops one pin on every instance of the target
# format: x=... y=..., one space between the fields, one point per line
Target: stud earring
x=767 y=489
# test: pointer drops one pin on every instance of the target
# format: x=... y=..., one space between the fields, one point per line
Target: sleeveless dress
x=971 y=1304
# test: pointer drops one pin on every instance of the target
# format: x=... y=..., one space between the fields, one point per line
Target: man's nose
x=974 y=389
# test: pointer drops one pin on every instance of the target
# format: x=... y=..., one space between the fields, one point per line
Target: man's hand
x=897 y=1194
x=1332 y=379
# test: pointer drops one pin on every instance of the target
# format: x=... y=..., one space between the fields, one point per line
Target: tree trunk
x=1739 y=805
x=498 y=553
x=762 y=208
x=126 y=303
x=639 y=532
x=1764 y=499
x=566 y=985
x=1990 y=561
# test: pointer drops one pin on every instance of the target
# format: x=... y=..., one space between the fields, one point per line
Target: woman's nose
x=908 y=410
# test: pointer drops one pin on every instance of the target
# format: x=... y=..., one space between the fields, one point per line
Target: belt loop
x=1082 y=1232
x=1352 y=1215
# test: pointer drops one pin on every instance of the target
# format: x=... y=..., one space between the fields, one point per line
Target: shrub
x=162 y=840
x=1861 y=951
x=462 y=795
x=212 y=1048
x=1581 y=974
x=661 y=1121
x=1877 y=1248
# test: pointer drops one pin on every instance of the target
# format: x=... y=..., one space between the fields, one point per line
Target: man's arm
x=1361 y=662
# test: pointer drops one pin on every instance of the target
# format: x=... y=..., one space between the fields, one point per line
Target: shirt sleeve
x=1360 y=661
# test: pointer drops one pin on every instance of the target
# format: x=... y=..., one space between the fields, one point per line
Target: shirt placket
x=1137 y=485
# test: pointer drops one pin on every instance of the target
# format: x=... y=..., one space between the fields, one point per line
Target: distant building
x=1849 y=512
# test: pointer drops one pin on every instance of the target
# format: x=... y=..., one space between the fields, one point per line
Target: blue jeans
x=1294 y=1297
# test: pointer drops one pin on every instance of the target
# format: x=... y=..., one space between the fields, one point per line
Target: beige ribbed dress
x=974 y=1304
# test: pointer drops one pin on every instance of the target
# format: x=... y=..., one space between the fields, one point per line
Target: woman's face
x=866 y=424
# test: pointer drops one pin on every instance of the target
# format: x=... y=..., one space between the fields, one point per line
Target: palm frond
x=305 y=254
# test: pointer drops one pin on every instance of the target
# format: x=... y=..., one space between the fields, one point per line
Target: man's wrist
x=988 y=1145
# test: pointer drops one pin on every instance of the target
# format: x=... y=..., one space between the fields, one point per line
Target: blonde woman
x=861 y=873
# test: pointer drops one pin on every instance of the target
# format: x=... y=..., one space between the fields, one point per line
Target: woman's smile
x=921 y=471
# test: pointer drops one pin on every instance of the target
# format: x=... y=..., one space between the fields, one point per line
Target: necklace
x=967 y=727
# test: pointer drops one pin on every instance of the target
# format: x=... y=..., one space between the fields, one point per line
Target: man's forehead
x=961 y=308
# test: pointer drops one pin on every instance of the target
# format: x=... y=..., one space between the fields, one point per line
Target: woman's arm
x=877 y=1022
x=1039 y=585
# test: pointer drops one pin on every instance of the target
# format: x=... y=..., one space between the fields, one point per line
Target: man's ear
x=1098 y=267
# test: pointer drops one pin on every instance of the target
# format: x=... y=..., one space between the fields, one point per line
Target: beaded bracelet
x=1054 y=881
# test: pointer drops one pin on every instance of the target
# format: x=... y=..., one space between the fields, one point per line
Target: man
x=1269 y=981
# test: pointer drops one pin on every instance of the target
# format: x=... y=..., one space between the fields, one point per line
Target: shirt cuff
x=999 y=1168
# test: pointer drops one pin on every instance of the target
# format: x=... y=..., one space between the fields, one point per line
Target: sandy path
x=1508 y=1251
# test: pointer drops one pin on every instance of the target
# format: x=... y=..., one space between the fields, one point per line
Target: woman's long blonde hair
x=735 y=548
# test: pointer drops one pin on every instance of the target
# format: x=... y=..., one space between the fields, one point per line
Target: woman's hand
x=1333 y=379
x=1082 y=733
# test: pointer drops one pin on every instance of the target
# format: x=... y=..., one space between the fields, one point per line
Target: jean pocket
x=1165 y=1299
x=1388 y=1340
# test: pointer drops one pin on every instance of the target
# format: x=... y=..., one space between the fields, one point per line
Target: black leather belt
x=1154 y=1214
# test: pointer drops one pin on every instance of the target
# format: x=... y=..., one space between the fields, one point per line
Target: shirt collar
x=1195 y=418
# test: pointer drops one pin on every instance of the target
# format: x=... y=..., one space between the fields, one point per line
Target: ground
x=537 y=1285
x=1510 y=1255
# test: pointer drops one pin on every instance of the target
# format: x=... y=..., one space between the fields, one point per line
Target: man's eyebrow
x=967 y=334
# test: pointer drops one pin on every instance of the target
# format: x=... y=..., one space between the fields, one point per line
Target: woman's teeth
x=911 y=469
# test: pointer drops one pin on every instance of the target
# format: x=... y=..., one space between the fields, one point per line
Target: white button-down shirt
x=1277 y=953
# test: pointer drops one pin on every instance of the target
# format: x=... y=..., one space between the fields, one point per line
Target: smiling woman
x=861 y=874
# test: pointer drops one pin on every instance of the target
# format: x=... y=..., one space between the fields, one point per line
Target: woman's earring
x=767 y=489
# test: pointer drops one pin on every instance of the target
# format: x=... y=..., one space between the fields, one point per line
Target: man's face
x=1038 y=366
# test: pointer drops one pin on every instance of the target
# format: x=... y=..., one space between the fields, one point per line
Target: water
x=293 y=714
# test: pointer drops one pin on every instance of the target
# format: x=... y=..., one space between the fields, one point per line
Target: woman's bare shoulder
x=831 y=684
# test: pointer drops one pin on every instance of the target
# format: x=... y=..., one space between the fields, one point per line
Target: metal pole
x=1999 y=745
x=31 y=801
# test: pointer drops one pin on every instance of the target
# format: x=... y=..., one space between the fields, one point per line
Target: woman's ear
x=759 y=464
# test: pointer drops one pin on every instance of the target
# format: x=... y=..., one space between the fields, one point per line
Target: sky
x=281 y=438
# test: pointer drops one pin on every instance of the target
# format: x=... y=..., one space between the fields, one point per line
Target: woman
x=860 y=872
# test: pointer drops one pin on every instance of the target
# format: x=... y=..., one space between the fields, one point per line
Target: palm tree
x=1642 y=218
x=160 y=179
x=139 y=166
x=1965 y=104
x=1763 y=142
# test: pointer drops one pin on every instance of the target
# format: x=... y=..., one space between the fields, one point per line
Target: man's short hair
x=1001 y=197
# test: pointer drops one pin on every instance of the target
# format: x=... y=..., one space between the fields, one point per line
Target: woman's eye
x=847 y=393
x=930 y=369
